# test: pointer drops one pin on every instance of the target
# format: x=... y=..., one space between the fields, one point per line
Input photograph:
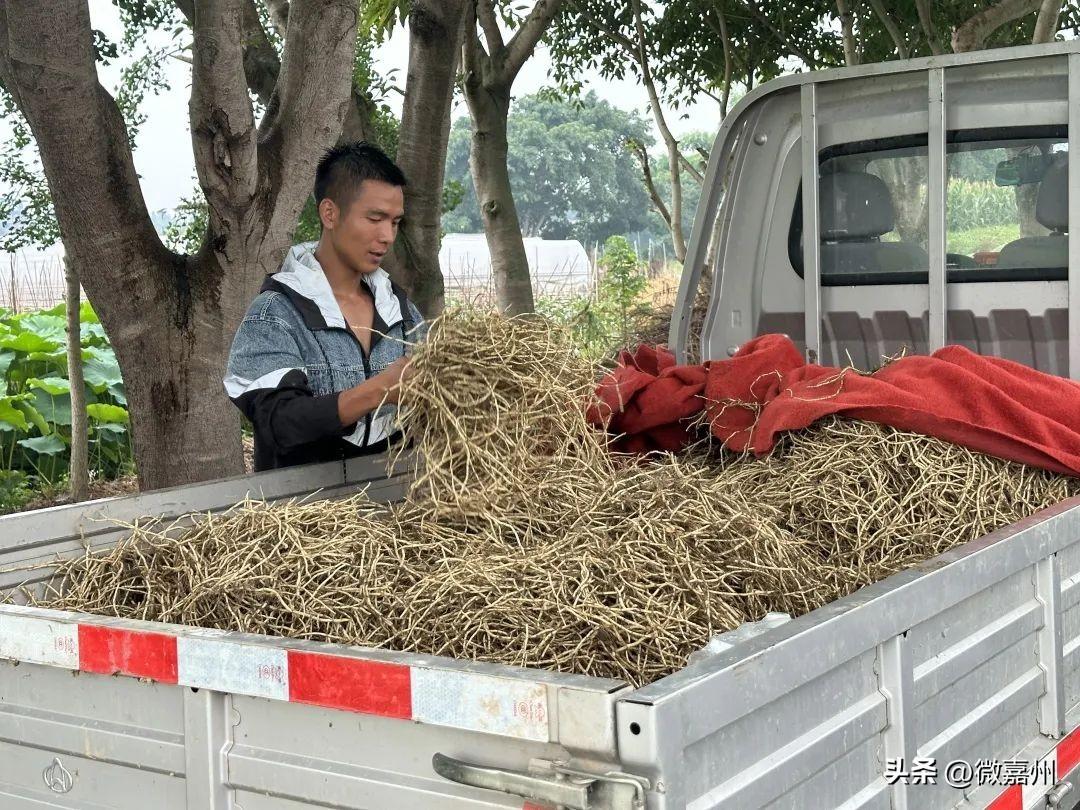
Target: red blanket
x=990 y=405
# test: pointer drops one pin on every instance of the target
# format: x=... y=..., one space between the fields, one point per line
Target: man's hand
x=393 y=376
x=384 y=387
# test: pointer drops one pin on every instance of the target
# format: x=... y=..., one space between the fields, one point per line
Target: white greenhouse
x=559 y=267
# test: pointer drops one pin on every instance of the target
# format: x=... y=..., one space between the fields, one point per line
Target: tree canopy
x=571 y=173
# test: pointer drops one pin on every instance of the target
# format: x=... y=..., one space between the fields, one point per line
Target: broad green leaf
x=50 y=385
x=93 y=334
x=110 y=428
x=55 y=409
x=49 y=327
x=118 y=393
x=11 y=415
x=101 y=370
x=34 y=415
x=56 y=359
x=87 y=314
x=107 y=413
x=6 y=359
x=28 y=342
x=44 y=445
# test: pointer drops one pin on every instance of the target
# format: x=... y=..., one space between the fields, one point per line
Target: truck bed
x=973 y=655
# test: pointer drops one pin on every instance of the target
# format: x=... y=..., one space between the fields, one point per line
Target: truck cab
x=939 y=199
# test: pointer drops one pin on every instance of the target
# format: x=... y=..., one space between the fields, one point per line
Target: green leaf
x=44 y=445
x=87 y=314
x=110 y=428
x=11 y=415
x=93 y=334
x=56 y=359
x=55 y=409
x=53 y=386
x=6 y=359
x=101 y=370
x=49 y=327
x=34 y=415
x=107 y=413
x=118 y=393
x=27 y=342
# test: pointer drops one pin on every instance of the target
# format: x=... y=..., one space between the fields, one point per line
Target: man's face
x=365 y=230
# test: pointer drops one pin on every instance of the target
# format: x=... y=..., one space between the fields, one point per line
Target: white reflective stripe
x=1035 y=794
x=357 y=436
x=244 y=669
x=235 y=385
x=382 y=425
x=39 y=641
x=480 y=703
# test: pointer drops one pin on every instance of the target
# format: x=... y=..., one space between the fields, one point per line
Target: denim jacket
x=293 y=354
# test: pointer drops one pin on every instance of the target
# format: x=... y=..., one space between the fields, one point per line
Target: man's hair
x=345 y=167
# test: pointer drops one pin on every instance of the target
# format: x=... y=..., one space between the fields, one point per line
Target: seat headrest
x=1052 y=205
x=854 y=205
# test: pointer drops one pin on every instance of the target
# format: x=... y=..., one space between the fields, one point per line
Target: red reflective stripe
x=371 y=687
x=1011 y=799
x=1068 y=753
x=108 y=650
x=532 y=806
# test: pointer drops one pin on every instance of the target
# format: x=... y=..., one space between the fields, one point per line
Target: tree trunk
x=78 y=472
x=435 y=32
x=847 y=32
x=491 y=177
x=489 y=76
x=171 y=318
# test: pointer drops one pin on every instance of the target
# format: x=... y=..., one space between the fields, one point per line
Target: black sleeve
x=267 y=382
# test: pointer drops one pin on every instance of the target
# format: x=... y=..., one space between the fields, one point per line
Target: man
x=317 y=362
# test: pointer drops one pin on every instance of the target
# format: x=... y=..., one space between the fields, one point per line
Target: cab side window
x=1006 y=210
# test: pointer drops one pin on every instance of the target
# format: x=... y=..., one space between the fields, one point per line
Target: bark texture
x=489 y=76
x=171 y=318
x=79 y=469
x=972 y=35
x=436 y=28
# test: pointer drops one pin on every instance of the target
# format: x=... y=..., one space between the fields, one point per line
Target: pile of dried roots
x=525 y=541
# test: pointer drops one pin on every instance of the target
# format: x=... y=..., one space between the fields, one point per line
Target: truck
x=952 y=684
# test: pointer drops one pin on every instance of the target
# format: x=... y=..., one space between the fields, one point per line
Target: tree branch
x=279 y=15
x=47 y=63
x=847 y=32
x=719 y=27
x=261 y=63
x=669 y=139
x=926 y=20
x=616 y=36
x=691 y=169
x=473 y=55
x=187 y=8
x=523 y=43
x=310 y=102
x=222 y=122
x=972 y=35
x=1046 y=25
x=485 y=13
x=637 y=149
x=891 y=27
x=809 y=61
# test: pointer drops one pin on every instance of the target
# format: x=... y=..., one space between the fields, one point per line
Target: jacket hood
x=302 y=274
